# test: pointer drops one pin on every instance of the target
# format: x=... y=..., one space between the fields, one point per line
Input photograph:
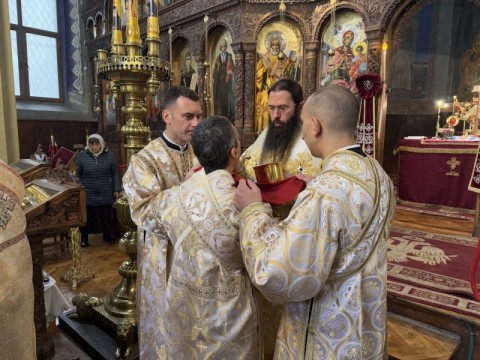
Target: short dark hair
x=291 y=86
x=93 y=140
x=212 y=141
x=177 y=91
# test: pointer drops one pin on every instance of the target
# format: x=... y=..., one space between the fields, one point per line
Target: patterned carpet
x=432 y=269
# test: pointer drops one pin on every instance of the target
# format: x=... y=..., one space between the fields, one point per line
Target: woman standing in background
x=97 y=169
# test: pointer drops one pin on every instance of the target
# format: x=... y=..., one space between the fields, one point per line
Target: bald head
x=329 y=119
x=336 y=107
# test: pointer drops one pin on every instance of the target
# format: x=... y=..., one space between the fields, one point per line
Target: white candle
x=205 y=20
x=384 y=61
x=170 y=46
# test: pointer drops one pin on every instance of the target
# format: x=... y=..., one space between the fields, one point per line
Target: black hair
x=212 y=141
x=291 y=86
x=177 y=91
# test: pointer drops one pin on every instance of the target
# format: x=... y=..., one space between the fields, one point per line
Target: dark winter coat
x=100 y=177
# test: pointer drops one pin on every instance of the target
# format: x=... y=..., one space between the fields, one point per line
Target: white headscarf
x=102 y=144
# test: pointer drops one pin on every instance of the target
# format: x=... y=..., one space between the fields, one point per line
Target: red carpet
x=432 y=269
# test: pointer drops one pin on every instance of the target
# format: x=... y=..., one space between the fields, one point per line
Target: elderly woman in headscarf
x=97 y=169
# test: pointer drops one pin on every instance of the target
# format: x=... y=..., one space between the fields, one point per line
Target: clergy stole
x=368 y=87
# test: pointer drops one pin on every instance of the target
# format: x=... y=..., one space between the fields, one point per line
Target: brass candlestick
x=132 y=75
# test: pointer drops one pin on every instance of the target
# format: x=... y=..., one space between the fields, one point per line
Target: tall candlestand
x=206 y=89
x=132 y=75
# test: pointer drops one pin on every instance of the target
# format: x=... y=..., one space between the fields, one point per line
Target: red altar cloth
x=436 y=172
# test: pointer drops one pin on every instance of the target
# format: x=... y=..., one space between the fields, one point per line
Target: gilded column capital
x=311 y=46
x=311 y=56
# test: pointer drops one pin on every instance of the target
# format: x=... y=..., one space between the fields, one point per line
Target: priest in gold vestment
x=326 y=262
x=282 y=140
x=210 y=310
x=17 y=339
x=163 y=163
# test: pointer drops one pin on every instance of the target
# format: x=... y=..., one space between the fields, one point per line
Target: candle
x=95 y=60
x=153 y=26
x=132 y=29
x=384 y=61
x=205 y=20
x=117 y=23
x=170 y=46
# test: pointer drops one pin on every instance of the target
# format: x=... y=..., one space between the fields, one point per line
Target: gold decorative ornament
x=76 y=272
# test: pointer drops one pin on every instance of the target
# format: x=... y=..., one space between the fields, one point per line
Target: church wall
x=430 y=59
x=66 y=134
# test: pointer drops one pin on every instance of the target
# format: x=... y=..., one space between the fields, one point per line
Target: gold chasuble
x=153 y=169
x=209 y=309
x=326 y=262
x=297 y=160
x=17 y=340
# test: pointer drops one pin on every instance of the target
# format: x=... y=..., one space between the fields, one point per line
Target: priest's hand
x=191 y=172
x=303 y=177
x=246 y=194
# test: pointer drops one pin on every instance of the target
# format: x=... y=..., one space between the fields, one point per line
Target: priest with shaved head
x=326 y=263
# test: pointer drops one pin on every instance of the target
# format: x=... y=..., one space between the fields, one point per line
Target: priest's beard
x=279 y=139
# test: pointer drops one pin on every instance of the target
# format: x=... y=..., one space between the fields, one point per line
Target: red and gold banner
x=368 y=87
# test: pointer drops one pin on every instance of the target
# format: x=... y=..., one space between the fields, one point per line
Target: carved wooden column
x=200 y=59
x=45 y=346
x=248 y=135
x=374 y=40
x=311 y=54
x=239 y=73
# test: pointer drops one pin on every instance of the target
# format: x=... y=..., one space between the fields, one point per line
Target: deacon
x=210 y=311
x=326 y=262
x=281 y=142
x=163 y=163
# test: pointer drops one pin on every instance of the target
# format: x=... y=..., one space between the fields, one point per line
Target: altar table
x=436 y=172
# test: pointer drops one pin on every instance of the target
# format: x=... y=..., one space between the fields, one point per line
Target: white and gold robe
x=155 y=168
x=210 y=310
x=299 y=160
x=326 y=262
x=16 y=287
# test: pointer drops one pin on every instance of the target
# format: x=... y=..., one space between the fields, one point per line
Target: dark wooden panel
x=66 y=133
